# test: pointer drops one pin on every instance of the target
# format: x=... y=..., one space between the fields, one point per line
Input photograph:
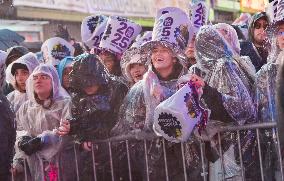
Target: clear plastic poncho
x=265 y=91
x=215 y=57
x=36 y=120
x=137 y=111
x=245 y=69
x=136 y=119
x=16 y=97
x=266 y=83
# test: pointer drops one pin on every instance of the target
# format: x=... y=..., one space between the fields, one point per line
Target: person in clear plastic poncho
x=244 y=65
x=226 y=93
x=137 y=111
x=95 y=104
x=215 y=58
x=47 y=104
x=17 y=74
x=133 y=65
x=266 y=84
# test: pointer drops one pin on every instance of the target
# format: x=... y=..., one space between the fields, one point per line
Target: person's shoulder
x=11 y=96
x=5 y=108
x=245 y=43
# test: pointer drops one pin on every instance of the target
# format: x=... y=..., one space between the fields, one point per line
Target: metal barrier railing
x=205 y=176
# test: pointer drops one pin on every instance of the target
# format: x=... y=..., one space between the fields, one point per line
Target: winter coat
x=258 y=56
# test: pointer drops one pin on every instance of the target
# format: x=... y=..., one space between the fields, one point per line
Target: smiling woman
x=163 y=61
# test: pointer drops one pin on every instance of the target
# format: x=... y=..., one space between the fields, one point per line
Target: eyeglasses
x=259 y=25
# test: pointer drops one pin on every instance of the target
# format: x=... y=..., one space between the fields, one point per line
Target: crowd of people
x=71 y=94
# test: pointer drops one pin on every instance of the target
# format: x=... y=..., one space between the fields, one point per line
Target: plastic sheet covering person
x=44 y=150
x=222 y=73
x=96 y=100
x=266 y=85
x=245 y=68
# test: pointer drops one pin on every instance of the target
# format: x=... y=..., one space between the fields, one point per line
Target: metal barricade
x=237 y=130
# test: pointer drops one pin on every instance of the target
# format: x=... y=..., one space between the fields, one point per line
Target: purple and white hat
x=172 y=29
x=119 y=34
x=279 y=12
x=198 y=14
x=55 y=49
x=92 y=29
x=141 y=39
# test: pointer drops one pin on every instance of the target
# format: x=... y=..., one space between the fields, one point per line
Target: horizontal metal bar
x=248 y=126
x=150 y=135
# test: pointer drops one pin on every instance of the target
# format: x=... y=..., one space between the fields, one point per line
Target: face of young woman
x=21 y=75
x=162 y=58
x=42 y=85
x=65 y=77
x=137 y=70
x=280 y=37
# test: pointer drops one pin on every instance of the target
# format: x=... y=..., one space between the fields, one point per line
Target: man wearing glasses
x=257 y=45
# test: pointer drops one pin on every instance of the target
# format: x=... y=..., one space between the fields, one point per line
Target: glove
x=30 y=145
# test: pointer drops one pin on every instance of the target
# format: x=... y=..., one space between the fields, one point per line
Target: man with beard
x=256 y=48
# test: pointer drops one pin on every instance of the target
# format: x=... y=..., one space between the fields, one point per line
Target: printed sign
x=119 y=34
x=92 y=30
x=169 y=125
x=198 y=13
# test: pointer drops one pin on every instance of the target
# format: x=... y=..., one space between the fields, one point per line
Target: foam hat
x=119 y=34
x=92 y=29
x=198 y=14
x=171 y=29
x=55 y=49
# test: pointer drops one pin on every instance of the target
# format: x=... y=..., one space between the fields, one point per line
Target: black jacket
x=258 y=56
x=7 y=137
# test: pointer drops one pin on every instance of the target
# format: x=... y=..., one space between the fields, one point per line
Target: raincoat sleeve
x=132 y=112
x=214 y=101
x=235 y=96
x=265 y=87
x=19 y=156
x=280 y=102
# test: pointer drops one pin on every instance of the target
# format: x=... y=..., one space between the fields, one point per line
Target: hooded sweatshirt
x=258 y=55
x=16 y=97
